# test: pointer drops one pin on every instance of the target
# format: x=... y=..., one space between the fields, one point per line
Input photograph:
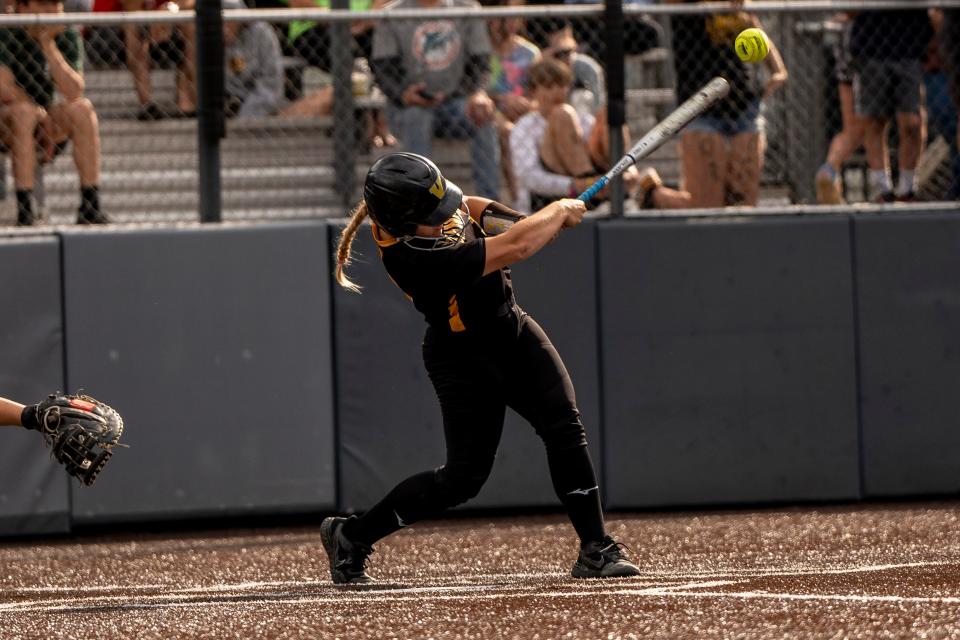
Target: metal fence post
x=616 y=111
x=805 y=118
x=210 y=119
x=345 y=125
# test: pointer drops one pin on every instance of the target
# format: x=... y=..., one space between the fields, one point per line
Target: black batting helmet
x=403 y=190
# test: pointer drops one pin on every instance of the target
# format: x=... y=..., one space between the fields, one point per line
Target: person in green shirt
x=36 y=62
x=311 y=41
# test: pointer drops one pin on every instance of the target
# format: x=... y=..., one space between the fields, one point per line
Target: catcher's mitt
x=80 y=431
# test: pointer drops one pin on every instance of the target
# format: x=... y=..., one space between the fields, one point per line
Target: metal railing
x=308 y=163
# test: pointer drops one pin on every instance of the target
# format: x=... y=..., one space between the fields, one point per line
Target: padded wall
x=214 y=344
x=33 y=488
x=909 y=308
x=389 y=417
x=728 y=361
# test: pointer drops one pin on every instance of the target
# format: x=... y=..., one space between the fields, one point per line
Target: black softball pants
x=477 y=376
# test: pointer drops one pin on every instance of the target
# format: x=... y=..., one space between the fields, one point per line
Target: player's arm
x=532 y=233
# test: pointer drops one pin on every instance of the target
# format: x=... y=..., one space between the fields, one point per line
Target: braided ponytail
x=343 y=248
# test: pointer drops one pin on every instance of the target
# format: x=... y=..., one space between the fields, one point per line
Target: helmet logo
x=437 y=189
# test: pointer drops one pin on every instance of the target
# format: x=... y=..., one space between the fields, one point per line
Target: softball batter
x=450 y=254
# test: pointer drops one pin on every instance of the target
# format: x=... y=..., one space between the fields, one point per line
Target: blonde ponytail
x=343 y=248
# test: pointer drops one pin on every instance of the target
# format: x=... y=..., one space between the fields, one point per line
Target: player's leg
x=540 y=390
x=473 y=415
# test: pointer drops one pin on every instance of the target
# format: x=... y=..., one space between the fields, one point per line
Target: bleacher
x=271 y=167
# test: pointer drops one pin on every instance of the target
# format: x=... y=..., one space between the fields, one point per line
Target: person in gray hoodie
x=253 y=79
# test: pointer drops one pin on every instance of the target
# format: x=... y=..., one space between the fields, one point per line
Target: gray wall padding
x=728 y=361
x=389 y=418
x=909 y=309
x=33 y=490
x=214 y=344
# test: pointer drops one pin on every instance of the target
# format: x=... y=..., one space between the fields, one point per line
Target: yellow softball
x=751 y=45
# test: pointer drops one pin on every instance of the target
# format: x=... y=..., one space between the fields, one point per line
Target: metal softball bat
x=663 y=131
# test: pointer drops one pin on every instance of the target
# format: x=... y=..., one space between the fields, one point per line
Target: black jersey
x=444 y=276
x=703 y=48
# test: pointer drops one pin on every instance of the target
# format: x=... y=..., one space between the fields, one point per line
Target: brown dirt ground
x=864 y=571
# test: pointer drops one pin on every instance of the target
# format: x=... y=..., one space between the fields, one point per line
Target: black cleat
x=348 y=560
x=603 y=559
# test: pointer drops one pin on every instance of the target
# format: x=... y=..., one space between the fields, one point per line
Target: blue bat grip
x=594 y=189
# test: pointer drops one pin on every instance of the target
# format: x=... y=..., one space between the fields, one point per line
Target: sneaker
x=886 y=196
x=828 y=186
x=348 y=560
x=86 y=215
x=604 y=559
x=150 y=112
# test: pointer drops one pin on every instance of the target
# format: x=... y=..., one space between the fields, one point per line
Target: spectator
x=512 y=56
x=850 y=137
x=34 y=62
x=253 y=80
x=888 y=47
x=557 y=150
x=588 y=92
x=160 y=45
x=311 y=41
x=940 y=112
x=640 y=32
x=435 y=74
x=722 y=150
x=940 y=69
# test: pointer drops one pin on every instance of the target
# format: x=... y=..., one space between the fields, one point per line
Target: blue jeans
x=750 y=121
x=416 y=127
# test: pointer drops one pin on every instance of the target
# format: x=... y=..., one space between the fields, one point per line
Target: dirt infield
x=831 y=572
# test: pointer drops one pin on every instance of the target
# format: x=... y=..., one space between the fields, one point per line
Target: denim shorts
x=750 y=121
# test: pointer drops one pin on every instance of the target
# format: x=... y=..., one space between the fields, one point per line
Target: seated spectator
x=589 y=90
x=311 y=41
x=640 y=32
x=35 y=62
x=558 y=151
x=435 y=75
x=253 y=79
x=888 y=47
x=160 y=45
x=722 y=150
x=512 y=56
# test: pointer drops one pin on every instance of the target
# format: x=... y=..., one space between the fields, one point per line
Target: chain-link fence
x=511 y=101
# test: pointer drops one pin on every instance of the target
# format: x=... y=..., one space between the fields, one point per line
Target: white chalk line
x=457 y=580
x=246 y=593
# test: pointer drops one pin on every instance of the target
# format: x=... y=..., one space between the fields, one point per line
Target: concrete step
x=68 y=217
x=132 y=181
x=188 y=199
